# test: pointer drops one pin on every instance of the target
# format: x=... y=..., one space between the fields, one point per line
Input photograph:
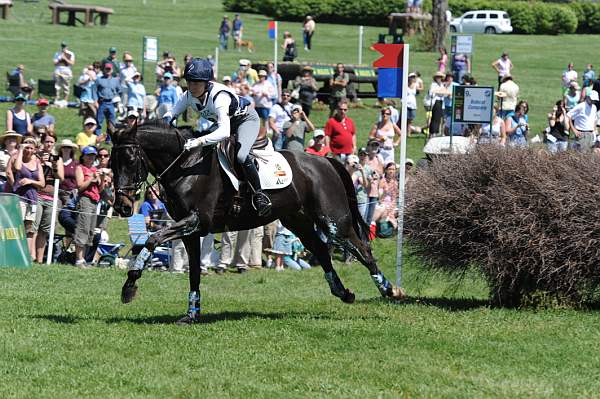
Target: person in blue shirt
x=237 y=31
x=107 y=89
x=589 y=75
x=136 y=95
x=153 y=206
x=167 y=93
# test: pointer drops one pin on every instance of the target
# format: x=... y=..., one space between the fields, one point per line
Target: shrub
x=525 y=219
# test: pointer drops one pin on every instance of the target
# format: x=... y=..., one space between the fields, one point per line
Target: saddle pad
x=273 y=169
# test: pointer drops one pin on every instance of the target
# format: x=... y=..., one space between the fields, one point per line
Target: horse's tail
x=360 y=226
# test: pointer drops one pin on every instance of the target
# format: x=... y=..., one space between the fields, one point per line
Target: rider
x=232 y=114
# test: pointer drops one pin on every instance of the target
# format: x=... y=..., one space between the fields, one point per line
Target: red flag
x=392 y=55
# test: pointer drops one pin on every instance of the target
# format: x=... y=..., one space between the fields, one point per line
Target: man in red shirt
x=317 y=146
x=340 y=133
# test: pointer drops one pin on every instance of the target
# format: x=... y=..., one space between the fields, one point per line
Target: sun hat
x=318 y=133
x=593 y=95
x=31 y=140
x=439 y=74
x=409 y=161
x=136 y=74
x=90 y=149
x=67 y=143
x=262 y=72
x=296 y=107
x=168 y=75
x=42 y=101
x=89 y=120
x=244 y=62
x=9 y=134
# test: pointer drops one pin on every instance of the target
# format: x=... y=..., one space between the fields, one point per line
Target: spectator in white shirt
x=126 y=72
x=582 y=121
x=263 y=92
x=63 y=62
x=568 y=76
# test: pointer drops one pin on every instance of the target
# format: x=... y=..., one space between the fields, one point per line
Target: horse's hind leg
x=362 y=250
x=304 y=229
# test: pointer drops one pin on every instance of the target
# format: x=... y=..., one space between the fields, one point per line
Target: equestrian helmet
x=198 y=70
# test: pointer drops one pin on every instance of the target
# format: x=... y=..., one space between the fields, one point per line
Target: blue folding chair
x=138 y=234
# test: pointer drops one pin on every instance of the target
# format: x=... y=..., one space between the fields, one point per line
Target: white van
x=482 y=21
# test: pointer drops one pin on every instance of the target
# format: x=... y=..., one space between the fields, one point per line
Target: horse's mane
x=160 y=126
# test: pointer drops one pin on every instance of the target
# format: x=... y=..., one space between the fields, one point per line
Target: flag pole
x=275 y=49
x=402 y=168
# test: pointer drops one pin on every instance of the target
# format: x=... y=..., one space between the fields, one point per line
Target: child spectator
x=9 y=142
x=136 y=94
x=282 y=246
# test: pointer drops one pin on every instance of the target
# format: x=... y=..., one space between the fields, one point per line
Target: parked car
x=482 y=21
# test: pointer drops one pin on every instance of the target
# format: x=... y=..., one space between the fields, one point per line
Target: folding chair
x=46 y=88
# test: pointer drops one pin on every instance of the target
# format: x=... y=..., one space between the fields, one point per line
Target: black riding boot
x=260 y=200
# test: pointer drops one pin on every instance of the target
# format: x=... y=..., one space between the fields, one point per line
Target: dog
x=248 y=44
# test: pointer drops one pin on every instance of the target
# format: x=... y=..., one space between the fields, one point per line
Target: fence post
x=53 y=222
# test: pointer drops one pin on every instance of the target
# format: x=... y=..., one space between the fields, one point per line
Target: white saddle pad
x=273 y=169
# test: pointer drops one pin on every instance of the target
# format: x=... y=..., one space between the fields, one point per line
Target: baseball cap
x=296 y=107
x=409 y=161
x=63 y=44
x=89 y=150
x=112 y=50
x=108 y=66
x=20 y=97
x=168 y=75
x=262 y=72
x=42 y=101
x=133 y=113
x=244 y=62
x=593 y=95
x=318 y=133
x=89 y=121
x=226 y=78
x=363 y=150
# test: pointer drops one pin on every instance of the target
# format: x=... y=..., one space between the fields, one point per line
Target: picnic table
x=5 y=5
x=88 y=12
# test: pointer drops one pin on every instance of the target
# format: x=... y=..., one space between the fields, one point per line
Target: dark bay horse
x=319 y=206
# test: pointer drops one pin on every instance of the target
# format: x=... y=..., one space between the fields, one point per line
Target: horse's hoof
x=398 y=294
x=128 y=293
x=348 y=296
x=187 y=320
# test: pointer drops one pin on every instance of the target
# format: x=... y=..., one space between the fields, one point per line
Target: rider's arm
x=181 y=105
x=222 y=103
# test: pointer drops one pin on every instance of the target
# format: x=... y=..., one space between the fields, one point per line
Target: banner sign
x=461 y=44
x=472 y=104
x=13 y=241
x=389 y=72
x=150 y=48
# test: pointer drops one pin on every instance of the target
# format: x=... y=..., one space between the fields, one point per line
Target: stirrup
x=261 y=203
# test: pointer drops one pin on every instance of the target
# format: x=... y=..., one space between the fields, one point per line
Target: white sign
x=464 y=44
x=473 y=104
x=150 y=48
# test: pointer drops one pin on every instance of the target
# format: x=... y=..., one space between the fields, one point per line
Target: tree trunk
x=438 y=22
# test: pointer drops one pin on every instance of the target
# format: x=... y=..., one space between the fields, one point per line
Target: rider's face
x=197 y=88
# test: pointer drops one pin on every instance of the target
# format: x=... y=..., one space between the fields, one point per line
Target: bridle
x=143 y=172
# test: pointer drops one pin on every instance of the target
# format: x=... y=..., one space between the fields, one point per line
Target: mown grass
x=64 y=332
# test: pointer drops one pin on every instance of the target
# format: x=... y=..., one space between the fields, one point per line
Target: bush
x=527 y=17
x=525 y=219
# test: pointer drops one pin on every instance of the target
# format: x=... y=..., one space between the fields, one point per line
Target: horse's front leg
x=192 y=246
x=185 y=227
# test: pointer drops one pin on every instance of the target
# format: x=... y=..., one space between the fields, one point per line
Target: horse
x=319 y=206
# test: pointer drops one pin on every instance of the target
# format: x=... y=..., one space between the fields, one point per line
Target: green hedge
x=527 y=17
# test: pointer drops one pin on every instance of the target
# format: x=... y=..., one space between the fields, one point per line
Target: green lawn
x=64 y=332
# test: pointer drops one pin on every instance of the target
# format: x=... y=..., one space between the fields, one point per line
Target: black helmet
x=198 y=70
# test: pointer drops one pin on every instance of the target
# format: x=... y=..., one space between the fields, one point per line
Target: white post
x=402 y=175
x=360 y=43
x=53 y=222
x=217 y=64
x=275 y=48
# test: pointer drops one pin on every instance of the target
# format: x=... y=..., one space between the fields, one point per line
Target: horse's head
x=129 y=168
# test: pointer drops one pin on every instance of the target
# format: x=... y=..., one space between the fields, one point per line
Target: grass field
x=64 y=332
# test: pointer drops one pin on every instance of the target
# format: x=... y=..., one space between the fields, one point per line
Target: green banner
x=13 y=242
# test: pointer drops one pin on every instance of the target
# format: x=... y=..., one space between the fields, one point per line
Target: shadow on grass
x=207 y=318
x=451 y=304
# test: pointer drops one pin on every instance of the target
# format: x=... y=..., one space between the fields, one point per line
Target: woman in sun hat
x=8 y=147
x=17 y=118
x=437 y=90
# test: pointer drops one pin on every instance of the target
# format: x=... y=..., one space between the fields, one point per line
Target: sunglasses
x=103 y=155
x=343 y=109
x=386 y=113
x=285 y=95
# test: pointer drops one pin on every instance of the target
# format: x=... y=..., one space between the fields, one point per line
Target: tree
x=438 y=22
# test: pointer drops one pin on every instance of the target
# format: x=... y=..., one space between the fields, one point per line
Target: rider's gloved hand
x=193 y=143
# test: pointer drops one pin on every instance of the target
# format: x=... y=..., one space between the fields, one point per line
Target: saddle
x=274 y=170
